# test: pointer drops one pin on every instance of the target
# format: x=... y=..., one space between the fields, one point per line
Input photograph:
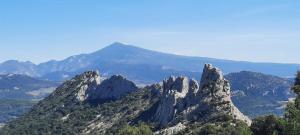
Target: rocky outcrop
x=184 y=100
x=88 y=82
x=177 y=104
x=215 y=94
x=91 y=88
x=113 y=88
x=174 y=92
x=156 y=89
x=180 y=99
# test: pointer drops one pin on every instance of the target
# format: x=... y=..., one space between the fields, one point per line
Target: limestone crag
x=215 y=93
x=113 y=88
x=89 y=81
x=91 y=88
x=183 y=99
x=174 y=92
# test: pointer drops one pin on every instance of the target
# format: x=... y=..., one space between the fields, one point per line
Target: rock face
x=215 y=92
x=89 y=82
x=91 y=88
x=112 y=88
x=184 y=100
x=177 y=94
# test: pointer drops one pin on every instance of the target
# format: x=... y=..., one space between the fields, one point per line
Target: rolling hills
x=257 y=94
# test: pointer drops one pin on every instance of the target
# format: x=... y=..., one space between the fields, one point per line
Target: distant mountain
x=258 y=94
x=139 y=65
x=16 y=67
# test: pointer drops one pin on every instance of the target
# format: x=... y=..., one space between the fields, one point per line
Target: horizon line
x=131 y=45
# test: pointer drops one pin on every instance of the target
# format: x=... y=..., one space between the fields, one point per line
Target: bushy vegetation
x=225 y=125
x=268 y=125
x=224 y=129
x=141 y=129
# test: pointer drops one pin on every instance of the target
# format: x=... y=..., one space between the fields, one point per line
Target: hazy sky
x=252 y=30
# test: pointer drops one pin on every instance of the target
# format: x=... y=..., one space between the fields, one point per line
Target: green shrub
x=142 y=129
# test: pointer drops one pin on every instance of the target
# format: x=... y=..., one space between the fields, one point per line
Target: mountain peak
x=117 y=47
x=17 y=62
x=210 y=74
x=118 y=44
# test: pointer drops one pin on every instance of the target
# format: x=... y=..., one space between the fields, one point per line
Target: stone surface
x=215 y=93
x=90 y=87
x=113 y=88
x=174 y=92
x=183 y=99
x=89 y=81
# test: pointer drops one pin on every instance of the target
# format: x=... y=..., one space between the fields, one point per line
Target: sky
x=248 y=30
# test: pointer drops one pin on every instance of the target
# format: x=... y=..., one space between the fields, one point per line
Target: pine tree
x=293 y=110
x=296 y=87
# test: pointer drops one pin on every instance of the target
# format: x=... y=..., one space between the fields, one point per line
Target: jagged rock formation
x=89 y=82
x=177 y=93
x=183 y=100
x=215 y=92
x=112 y=88
x=89 y=87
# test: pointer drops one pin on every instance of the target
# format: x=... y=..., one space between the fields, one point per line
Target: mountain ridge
x=134 y=60
x=259 y=94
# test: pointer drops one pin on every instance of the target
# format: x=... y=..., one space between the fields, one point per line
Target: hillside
x=79 y=106
x=257 y=94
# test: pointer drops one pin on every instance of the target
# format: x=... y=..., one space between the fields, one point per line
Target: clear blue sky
x=252 y=30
